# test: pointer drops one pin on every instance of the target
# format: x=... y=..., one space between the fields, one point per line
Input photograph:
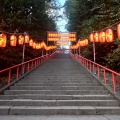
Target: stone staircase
x=61 y=86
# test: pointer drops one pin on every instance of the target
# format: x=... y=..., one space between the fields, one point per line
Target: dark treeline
x=86 y=16
x=31 y=16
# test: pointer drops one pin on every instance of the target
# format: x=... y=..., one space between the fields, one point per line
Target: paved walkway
x=59 y=117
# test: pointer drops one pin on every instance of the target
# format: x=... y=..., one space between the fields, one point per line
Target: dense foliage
x=86 y=16
x=21 y=16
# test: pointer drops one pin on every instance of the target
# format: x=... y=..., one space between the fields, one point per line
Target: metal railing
x=107 y=76
x=20 y=70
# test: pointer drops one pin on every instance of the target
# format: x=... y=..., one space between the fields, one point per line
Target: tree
x=86 y=16
x=29 y=16
x=24 y=16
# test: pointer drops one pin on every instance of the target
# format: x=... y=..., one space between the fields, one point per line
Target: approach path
x=60 y=87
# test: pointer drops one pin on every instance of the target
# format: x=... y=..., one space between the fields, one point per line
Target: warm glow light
x=13 y=40
x=102 y=36
x=34 y=45
x=37 y=46
x=26 y=38
x=86 y=42
x=91 y=37
x=109 y=35
x=31 y=42
x=2 y=40
x=20 y=40
x=96 y=38
x=118 y=31
x=55 y=36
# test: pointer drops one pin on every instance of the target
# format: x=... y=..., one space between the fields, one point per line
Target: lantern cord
x=11 y=33
x=80 y=38
x=102 y=29
x=108 y=27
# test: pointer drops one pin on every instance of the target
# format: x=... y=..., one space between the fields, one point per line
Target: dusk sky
x=62 y=22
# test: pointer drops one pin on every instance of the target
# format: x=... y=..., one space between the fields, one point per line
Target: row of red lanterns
x=73 y=47
x=107 y=36
x=80 y=44
x=55 y=34
x=83 y=42
x=62 y=39
x=13 y=40
x=21 y=40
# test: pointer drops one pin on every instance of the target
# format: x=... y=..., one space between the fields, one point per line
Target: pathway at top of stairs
x=60 y=86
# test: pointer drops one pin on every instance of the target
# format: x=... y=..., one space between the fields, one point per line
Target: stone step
x=56 y=84
x=57 y=97
x=57 y=88
x=59 y=110
x=60 y=77
x=59 y=80
x=65 y=92
x=29 y=102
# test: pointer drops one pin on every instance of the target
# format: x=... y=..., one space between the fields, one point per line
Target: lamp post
x=23 y=53
x=93 y=42
x=94 y=56
x=79 y=50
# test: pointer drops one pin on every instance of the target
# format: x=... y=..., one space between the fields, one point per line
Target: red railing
x=20 y=70
x=53 y=53
x=107 y=76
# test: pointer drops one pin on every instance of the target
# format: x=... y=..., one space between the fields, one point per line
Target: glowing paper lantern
x=43 y=45
x=118 y=31
x=109 y=35
x=91 y=37
x=20 y=40
x=96 y=38
x=34 y=45
x=102 y=37
x=13 y=40
x=86 y=42
x=31 y=42
x=2 y=40
x=26 y=38
x=37 y=46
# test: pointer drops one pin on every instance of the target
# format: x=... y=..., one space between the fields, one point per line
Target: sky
x=62 y=22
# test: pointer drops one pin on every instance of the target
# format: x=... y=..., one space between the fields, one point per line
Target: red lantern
x=34 y=45
x=73 y=35
x=48 y=35
x=109 y=35
x=26 y=38
x=13 y=40
x=82 y=43
x=118 y=31
x=91 y=37
x=31 y=42
x=96 y=38
x=70 y=34
x=2 y=40
x=102 y=36
x=37 y=46
x=86 y=42
x=20 y=40
x=74 y=39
